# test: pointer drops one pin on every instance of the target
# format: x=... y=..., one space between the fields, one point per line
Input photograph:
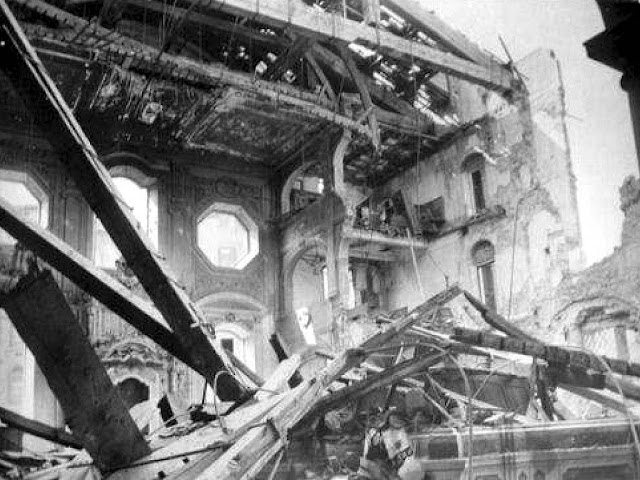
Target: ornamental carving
x=134 y=352
x=227 y=188
x=250 y=282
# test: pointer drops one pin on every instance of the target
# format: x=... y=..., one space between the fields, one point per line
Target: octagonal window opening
x=227 y=236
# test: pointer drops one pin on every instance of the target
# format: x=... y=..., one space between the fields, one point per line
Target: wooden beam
x=363 y=90
x=90 y=402
x=326 y=84
x=323 y=26
x=28 y=76
x=597 y=397
x=139 y=313
x=380 y=94
x=39 y=429
x=419 y=15
x=554 y=355
x=279 y=379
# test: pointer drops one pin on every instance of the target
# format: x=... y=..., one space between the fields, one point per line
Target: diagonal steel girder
x=20 y=63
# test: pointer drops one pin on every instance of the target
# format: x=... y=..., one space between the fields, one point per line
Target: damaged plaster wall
x=609 y=288
x=527 y=170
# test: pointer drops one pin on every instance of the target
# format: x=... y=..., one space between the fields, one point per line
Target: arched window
x=483 y=255
x=140 y=193
x=227 y=236
x=473 y=166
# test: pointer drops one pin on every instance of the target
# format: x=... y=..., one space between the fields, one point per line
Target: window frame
x=143 y=181
x=476 y=183
x=485 y=272
x=245 y=220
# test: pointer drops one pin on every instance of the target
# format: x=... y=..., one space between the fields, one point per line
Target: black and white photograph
x=320 y=239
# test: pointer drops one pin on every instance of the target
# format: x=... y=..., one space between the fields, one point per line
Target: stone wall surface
x=528 y=177
x=614 y=282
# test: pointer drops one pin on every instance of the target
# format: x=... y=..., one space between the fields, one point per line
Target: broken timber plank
x=28 y=76
x=76 y=267
x=91 y=404
x=279 y=380
x=38 y=429
x=497 y=321
x=255 y=448
x=323 y=26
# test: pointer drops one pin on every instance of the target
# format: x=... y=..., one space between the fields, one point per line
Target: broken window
x=305 y=191
x=478 y=190
x=140 y=194
x=484 y=257
x=227 y=236
x=609 y=331
x=31 y=202
x=27 y=198
x=474 y=167
x=431 y=216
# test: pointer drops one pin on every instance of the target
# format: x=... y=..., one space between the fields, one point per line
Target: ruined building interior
x=237 y=237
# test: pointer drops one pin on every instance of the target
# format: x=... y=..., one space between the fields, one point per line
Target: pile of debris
x=405 y=402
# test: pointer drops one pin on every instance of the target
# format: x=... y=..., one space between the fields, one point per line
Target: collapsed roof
x=261 y=84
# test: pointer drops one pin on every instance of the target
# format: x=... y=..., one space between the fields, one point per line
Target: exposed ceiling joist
x=322 y=77
x=323 y=26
